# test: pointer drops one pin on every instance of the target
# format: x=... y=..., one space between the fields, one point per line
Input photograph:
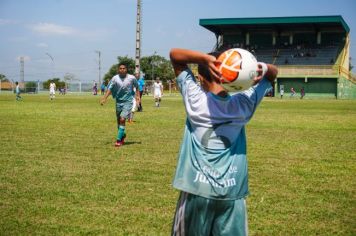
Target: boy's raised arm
x=180 y=58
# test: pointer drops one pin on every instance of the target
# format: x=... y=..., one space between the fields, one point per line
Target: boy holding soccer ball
x=212 y=170
x=121 y=87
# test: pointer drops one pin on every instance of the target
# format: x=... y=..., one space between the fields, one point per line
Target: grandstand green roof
x=218 y=25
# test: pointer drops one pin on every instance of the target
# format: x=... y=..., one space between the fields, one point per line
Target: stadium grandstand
x=311 y=52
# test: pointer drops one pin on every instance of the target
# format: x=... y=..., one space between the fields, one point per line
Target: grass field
x=61 y=175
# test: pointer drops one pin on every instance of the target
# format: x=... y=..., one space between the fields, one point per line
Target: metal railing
x=305 y=71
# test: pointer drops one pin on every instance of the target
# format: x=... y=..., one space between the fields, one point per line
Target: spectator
x=292 y=92
x=302 y=93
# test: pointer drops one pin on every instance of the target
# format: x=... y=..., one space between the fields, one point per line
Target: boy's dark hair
x=203 y=70
x=17 y=83
x=122 y=64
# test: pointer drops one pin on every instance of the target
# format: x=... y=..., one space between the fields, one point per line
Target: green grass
x=60 y=174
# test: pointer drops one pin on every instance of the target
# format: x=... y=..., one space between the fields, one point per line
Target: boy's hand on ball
x=102 y=101
x=213 y=65
x=262 y=69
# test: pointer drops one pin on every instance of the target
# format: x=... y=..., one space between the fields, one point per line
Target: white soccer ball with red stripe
x=238 y=69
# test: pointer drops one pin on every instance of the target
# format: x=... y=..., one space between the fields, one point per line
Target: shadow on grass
x=126 y=143
x=130 y=143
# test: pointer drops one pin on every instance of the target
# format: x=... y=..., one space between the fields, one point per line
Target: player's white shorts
x=134 y=107
x=52 y=91
x=157 y=94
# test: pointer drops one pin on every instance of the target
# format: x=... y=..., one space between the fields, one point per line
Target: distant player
x=212 y=170
x=18 y=92
x=141 y=88
x=52 y=90
x=102 y=88
x=157 y=91
x=281 y=91
x=134 y=106
x=121 y=87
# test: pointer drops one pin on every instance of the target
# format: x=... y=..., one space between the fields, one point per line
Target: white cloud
x=7 y=22
x=42 y=45
x=58 y=30
x=53 y=29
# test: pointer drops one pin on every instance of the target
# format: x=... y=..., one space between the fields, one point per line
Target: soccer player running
x=121 y=87
x=212 y=172
x=52 y=90
x=18 y=92
x=157 y=91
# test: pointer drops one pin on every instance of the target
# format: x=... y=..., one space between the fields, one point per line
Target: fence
x=73 y=87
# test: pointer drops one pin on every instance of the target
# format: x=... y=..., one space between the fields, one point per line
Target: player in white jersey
x=157 y=91
x=212 y=172
x=52 y=90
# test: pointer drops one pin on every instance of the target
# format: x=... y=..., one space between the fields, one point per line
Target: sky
x=56 y=37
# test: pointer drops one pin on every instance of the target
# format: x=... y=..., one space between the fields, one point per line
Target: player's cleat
x=118 y=143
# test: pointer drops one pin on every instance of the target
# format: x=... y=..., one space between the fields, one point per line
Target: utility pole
x=153 y=63
x=138 y=37
x=22 y=69
x=99 y=53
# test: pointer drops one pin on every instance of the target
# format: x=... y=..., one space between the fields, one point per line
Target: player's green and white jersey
x=212 y=160
x=121 y=88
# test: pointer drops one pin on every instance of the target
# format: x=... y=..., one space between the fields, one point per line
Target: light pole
x=50 y=56
x=99 y=53
x=152 y=64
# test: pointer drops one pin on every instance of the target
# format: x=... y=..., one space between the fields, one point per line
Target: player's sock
x=121 y=132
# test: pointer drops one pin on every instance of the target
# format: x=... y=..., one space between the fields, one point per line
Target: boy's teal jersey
x=121 y=89
x=212 y=160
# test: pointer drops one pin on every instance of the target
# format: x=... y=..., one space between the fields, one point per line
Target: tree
x=3 y=78
x=155 y=65
x=31 y=87
x=59 y=84
x=112 y=71
x=69 y=77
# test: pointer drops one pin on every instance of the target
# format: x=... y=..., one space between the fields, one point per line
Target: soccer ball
x=238 y=69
